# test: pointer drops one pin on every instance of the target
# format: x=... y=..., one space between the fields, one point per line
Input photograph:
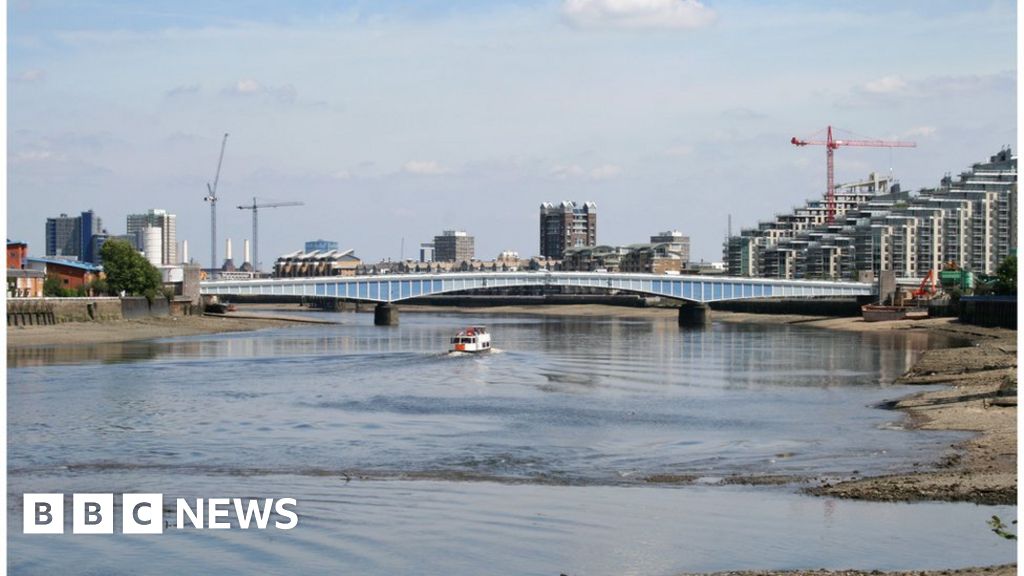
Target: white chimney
x=184 y=251
x=245 y=245
x=227 y=251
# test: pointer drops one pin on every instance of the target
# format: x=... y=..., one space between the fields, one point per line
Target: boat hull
x=876 y=313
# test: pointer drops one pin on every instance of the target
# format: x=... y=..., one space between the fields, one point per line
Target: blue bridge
x=388 y=289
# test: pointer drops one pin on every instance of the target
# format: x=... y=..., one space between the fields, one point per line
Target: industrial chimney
x=229 y=264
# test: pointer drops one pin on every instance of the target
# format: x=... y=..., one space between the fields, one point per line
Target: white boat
x=472 y=339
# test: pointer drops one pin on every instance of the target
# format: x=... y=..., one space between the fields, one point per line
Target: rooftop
x=77 y=264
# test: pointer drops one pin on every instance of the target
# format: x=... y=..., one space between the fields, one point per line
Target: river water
x=533 y=459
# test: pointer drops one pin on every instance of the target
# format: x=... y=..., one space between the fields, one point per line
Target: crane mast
x=255 y=207
x=831 y=144
x=211 y=197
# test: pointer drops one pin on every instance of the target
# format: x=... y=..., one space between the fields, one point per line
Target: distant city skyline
x=394 y=120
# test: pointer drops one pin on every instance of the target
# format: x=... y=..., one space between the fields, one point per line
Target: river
x=533 y=459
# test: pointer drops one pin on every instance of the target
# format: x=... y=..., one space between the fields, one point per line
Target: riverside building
x=453 y=246
x=970 y=220
x=138 y=224
x=566 y=225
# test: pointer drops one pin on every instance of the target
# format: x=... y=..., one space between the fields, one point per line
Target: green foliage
x=54 y=288
x=1006 y=274
x=99 y=287
x=1001 y=529
x=129 y=271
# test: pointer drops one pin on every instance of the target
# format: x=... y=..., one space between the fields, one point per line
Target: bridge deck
x=398 y=287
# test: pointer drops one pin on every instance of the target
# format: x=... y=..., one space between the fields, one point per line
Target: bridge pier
x=385 y=314
x=694 y=315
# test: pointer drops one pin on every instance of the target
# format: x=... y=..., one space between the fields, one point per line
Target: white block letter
x=92 y=514
x=142 y=513
x=293 y=518
x=44 y=514
x=195 y=516
x=212 y=522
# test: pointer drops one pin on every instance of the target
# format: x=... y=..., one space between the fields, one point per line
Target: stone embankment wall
x=47 y=311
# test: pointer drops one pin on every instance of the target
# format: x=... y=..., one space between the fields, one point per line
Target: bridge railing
x=397 y=287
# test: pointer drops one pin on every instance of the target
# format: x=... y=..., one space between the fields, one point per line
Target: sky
x=392 y=121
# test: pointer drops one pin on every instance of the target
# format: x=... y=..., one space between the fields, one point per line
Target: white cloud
x=638 y=13
x=562 y=171
x=602 y=172
x=285 y=94
x=679 y=151
x=605 y=171
x=885 y=85
x=31 y=156
x=894 y=88
x=425 y=167
x=31 y=75
x=248 y=86
x=919 y=132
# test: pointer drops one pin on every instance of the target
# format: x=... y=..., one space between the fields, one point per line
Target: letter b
x=44 y=514
x=93 y=514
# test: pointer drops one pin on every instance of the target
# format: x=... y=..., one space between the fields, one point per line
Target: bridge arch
x=399 y=287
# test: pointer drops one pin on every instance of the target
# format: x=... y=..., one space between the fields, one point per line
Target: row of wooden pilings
x=41 y=318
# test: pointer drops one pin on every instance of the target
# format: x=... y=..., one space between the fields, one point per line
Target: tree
x=54 y=288
x=129 y=271
x=1006 y=276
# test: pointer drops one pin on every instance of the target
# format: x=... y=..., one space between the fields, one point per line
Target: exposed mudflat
x=73 y=333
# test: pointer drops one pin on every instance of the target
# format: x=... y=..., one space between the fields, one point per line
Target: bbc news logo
x=144 y=513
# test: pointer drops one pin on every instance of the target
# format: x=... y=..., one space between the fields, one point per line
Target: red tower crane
x=830 y=145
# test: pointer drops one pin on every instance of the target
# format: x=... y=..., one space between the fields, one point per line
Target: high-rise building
x=62 y=238
x=137 y=223
x=677 y=243
x=426 y=252
x=71 y=236
x=970 y=220
x=89 y=226
x=566 y=225
x=321 y=245
x=453 y=246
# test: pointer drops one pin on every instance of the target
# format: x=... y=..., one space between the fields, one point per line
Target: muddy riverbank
x=77 y=333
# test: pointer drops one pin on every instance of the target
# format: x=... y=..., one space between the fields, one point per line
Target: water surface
x=568 y=418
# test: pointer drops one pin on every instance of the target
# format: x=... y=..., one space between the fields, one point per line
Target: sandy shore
x=983 y=399
x=75 y=333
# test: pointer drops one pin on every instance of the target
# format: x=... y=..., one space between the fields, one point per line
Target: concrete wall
x=138 y=307
x=43 y=311
x=62 y=310
x=190 y=283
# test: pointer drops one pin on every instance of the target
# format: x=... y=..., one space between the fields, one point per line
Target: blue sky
x=400 y=119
